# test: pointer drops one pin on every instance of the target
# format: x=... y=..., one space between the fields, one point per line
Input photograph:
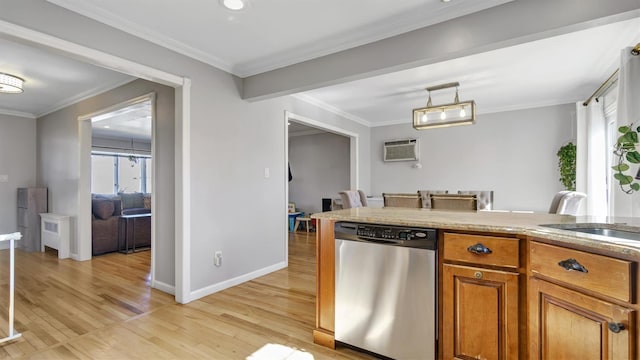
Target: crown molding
x=85 y=95
x=332 y=109
x=115 y=21
x=401 y=23
x=17 y=113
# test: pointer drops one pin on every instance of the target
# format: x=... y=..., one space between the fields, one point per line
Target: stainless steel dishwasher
x=385 y=298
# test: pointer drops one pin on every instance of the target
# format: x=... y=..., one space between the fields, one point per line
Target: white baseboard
x=195 y=295
x=164 y=287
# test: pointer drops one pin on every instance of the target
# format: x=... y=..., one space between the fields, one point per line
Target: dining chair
x=425 y=196
x=460 y=202
x=568 y=202
x=412 y=201
x=484 y=197
x=353 y=199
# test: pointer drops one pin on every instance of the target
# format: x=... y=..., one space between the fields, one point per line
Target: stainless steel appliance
x=386 y=289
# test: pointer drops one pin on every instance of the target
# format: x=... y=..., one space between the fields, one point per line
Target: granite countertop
x=518 y=223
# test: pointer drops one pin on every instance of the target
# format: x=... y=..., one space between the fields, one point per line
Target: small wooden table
x=127 y=232
x=305 y=220
x=292 y=219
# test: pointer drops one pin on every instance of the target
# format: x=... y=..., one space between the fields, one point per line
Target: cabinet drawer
x=503 y=251
x=608 y=276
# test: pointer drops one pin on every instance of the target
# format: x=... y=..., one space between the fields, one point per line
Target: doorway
x=121 y=166
x=316 y=127
x=178 y=254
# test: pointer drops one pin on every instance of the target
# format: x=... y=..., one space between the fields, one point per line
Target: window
x=112 y=173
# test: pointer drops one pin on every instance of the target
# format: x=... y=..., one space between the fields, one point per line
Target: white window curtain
x=610 y=101
x=628 y=111
x=591 y=163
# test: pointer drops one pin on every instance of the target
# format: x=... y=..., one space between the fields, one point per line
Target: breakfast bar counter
x=541 y=276
x=506 y=222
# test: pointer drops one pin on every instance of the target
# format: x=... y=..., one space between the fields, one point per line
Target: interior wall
x=300 y=107
x=18 y=162
x=58 y=163
x=231 y=142
x=320 y=167
x=512 y=153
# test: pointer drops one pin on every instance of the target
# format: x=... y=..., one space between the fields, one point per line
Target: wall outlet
x=267 y=173
x=217 y=258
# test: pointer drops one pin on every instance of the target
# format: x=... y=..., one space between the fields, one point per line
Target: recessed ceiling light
x=445 y=1
x=235 y=5
x=106 y=126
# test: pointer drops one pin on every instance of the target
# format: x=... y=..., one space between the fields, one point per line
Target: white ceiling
x=269 y=34
x=51 y=81
x=131 y=122
x=555 y=70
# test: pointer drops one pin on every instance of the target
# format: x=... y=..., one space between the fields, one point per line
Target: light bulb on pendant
x=443 y=116
x=424 y=118
x=463 y=113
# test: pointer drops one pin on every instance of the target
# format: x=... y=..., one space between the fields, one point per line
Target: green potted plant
x=626 y=154
x=567 y=166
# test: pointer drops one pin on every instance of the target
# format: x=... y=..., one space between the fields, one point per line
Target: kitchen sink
x=599 y=230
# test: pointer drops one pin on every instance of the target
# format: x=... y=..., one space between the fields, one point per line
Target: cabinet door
x=565 y=324
x=480 y=314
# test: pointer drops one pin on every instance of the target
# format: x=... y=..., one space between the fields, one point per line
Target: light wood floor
x=104 y=309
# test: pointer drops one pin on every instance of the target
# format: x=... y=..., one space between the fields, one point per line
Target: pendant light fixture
x=10 y=84
x=455 y=113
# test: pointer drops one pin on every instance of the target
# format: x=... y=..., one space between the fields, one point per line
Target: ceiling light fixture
x=455 y=113
x=10 y=84
x=235 y=5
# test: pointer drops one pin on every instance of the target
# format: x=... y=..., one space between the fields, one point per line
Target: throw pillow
x=102 y=209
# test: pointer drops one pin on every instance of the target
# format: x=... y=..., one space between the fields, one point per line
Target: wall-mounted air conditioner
x=401 y=150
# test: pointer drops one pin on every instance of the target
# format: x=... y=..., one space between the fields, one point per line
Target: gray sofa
x=107 y=210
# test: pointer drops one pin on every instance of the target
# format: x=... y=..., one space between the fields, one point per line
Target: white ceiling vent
x=401 y=150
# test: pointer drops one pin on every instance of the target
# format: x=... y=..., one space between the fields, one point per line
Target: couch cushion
x=102 y=209
x=136 y=211
x=104 y=196
x=132 y=200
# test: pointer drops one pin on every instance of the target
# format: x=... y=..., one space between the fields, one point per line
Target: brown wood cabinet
x=581 y=305
x=480 y=297
x=515 y=297
x=480 y=313
x=566 y=324
x=323 y=334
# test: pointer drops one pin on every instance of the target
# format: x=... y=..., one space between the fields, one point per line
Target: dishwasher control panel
x=393 y=233
x=389 y=234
